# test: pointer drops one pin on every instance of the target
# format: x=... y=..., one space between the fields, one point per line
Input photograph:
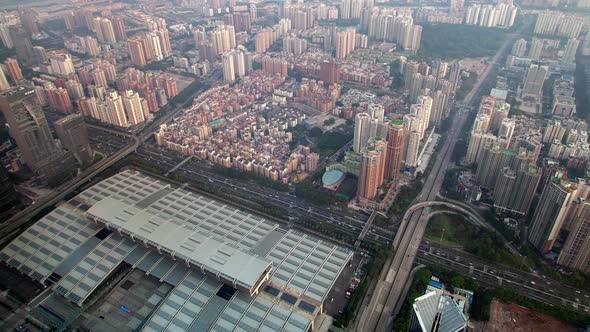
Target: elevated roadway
x=365 y=229
x=379 y=313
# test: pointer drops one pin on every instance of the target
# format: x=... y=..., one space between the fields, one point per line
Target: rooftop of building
x=331 y=177
x=201 y=247
x=185 y=239
x=565 y=100
x=397 y=122
x=435 y=309
x=16 y=91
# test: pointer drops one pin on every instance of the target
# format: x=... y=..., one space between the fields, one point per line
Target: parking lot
x=338 y=292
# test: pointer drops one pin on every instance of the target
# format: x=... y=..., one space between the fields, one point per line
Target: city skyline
x=286 y=166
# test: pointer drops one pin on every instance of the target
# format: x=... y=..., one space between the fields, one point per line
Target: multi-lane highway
x=167 y=160
x=380 y=308
x=534 y=285
x=296 y=207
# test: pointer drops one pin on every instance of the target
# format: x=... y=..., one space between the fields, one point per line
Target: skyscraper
x=136 y=51
x=367 y=126
x=344 y=43
x=59 y=99
x=119 y=27
x=437 y=114
x=416 y=87
x=105 y=32
x=30 y=130
x=329 y=71
x=353 y=8
x=28 y=18
x=22 y=44
x=498 y=112
x=3 y=81
x=569 y=54
x=40 y=54
x=410 y=69
x=99 y=78
x=371 y=169
x=14 y=70
x=412 y=149
x=361 y=131
x=28 y=125
x=454 y=75
x=495 y=158
x=479 y=138
x=223 y=38
x=253 y=12
x=575 y=253
x=115 y=109
x=396 y=141
x=422 y=111
x=75 y=89
x=532 y=90
x=519 y=48
x=514 y=191
x=5 y=35
x=73 y=134
x=229 y=72
x=556 y=23
x=376 y=112
x=550 y=214
x=61 y=63
x=164 y=37
x=133 y=108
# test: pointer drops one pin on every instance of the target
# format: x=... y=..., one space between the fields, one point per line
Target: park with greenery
x=455 y=41
x=466 y=86
x=327 y=143
x=308 y=191
x=582 y=88
x=453 y=229
x=405 y=196
x=491 y=247
x=477 y=241
x=449 y=186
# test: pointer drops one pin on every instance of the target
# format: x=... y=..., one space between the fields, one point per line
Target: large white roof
x=182 y=241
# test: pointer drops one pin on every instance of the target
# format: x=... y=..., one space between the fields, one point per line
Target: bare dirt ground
x=512 y=317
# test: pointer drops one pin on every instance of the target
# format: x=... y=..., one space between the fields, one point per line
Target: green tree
x=581 y=87
x=459 y=151
x=455 y=41
x=458 y=281
x=315 y=132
